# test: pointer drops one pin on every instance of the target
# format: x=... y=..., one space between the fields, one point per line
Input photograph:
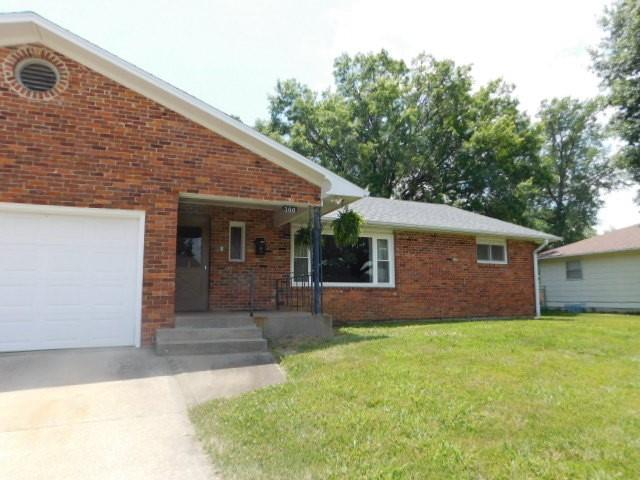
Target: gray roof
x=621 y=240
x=401 y=214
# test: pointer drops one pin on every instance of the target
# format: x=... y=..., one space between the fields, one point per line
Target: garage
x=69 y=277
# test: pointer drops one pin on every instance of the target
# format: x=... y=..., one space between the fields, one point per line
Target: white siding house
x=600 y=273
x=610 y=282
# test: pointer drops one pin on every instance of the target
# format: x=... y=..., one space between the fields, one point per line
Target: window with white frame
x=368 y=263
x=491 y=250
x=236 y=241
x=301 y=261
x=574 y=270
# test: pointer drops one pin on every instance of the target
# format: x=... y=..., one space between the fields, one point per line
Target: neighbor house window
x=368 y=263
x=574 y=270
x=490 y=250
x=236 y=241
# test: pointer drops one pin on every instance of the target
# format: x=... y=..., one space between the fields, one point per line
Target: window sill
x=489 y=262
x=358 y=285
x=348 y=285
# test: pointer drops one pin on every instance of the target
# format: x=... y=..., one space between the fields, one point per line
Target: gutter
x=536 y=278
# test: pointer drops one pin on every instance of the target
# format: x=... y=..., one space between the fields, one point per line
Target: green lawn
x=551 y=398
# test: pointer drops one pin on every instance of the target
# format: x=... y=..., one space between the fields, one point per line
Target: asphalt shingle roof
x=621 y=240
x=436 y=217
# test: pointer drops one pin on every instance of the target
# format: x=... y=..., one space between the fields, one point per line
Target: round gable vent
x=37 y=75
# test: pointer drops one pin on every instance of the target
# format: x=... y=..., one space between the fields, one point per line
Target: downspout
x=536 y=276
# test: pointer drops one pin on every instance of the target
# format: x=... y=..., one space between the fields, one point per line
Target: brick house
x=124 y=200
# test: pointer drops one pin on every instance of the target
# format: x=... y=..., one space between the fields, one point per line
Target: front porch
x=234 y=284
x=237 y=256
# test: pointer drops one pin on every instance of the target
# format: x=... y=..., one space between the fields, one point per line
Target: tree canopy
x=423 y=132
x=575 y=168
x=617 y=60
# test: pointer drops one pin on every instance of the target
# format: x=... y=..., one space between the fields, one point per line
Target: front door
x=192 y=264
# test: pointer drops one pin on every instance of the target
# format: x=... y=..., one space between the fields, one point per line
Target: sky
x=231 y=53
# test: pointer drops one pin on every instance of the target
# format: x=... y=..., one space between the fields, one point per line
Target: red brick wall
x=229 y=282
x=430 y=284
x=95 y=143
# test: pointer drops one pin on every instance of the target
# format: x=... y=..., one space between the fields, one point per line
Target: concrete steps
x=211 y=347
x=214 y=320
x=213 y=334
x=191 y=334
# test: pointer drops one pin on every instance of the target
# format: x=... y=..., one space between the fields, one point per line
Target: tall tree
x=575 y=168
x=416 y=132
x=617 y=60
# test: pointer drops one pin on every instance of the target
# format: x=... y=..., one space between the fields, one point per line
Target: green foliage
x=551 y=398
x=346 y=228
x=617 y=60
x=421 y=132
x=303 y=236
x=575 y=168
x=414 y=132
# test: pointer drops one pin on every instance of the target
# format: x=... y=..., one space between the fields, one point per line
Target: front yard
x=551 y=398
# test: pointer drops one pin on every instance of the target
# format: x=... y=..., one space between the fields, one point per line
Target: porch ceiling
x=283 y=215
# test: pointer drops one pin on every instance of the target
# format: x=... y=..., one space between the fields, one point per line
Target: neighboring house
x=124 y=200
x=600 y=273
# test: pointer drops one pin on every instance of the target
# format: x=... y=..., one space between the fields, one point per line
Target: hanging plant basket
x=346 y=228
x=303 y=236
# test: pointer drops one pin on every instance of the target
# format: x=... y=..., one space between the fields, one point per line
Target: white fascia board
x=588 y=254
x=17 y=28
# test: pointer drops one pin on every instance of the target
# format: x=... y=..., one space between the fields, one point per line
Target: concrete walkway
x=110 y=413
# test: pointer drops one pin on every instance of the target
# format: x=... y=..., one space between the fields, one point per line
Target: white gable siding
x=609 y=282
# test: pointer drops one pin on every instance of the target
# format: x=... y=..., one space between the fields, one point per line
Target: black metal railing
x=258 y=289
x=295 y=292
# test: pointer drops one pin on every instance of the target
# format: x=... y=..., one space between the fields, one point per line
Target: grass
x=551 y=398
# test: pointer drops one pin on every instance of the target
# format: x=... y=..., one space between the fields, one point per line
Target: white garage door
x=69 y=277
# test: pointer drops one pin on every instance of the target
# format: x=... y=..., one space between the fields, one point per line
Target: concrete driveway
x=110 y=413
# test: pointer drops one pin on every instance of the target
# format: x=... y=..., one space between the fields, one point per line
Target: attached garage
x=69 y=277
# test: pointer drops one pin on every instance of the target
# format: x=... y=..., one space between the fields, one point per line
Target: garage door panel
x=67 y=231
x=116 y=233
x=108 y=295
x=113 y=261
x=19 y=258
x=14 y=333
x=68 y=280
x=61 y=313
x=16 y=227
x=17 y=295
x=65 y=259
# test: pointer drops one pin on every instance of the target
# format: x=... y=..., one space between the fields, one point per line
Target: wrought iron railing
x=258 y=289
x=295 y=292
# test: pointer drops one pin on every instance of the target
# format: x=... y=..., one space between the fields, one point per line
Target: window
x=490 y=250
x=189 y=247
x=236 y=241
x=301 y=262
x=368 y=263
x=574 y=270
x=347 y=264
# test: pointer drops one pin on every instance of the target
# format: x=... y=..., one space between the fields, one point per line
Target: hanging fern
x=346 y=228
x=303 y=236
